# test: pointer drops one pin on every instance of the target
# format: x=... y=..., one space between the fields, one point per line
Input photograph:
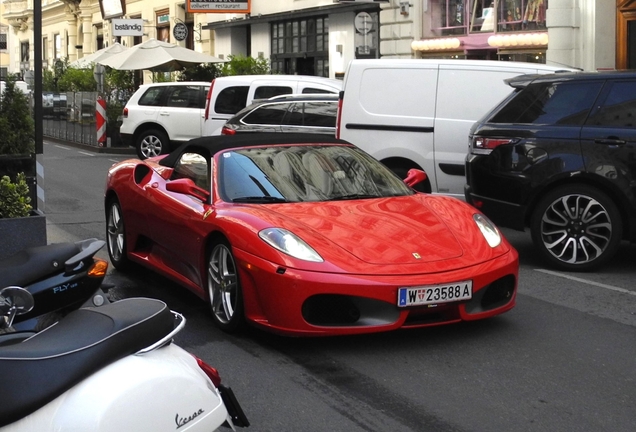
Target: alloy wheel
x=223 y=286
x=576 y=229
x=116 y=236
x=150 y=146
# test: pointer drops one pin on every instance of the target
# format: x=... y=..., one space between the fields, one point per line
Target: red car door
x=177 y=219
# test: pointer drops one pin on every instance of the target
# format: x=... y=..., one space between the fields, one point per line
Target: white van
x=228 y=95
x=415 y=113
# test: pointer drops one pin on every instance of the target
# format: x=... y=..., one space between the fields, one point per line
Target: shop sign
x=112 y=8
x=219 y=6
x=128 y=27
x=163 y=19
x=180 y=31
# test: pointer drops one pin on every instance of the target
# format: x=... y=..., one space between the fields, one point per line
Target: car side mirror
x=414 y=176
x=186 y=186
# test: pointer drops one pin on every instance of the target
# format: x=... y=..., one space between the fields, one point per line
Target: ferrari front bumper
x=295 y=302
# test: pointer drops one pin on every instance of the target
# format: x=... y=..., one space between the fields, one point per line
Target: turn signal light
x=98 y=269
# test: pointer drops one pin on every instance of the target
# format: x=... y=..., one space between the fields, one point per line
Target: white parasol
x=157 y=56
x=88 y=60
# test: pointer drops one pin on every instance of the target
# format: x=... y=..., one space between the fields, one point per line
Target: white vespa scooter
x=108 y=369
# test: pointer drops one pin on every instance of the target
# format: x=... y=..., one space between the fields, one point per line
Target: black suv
x=559 y=156
x=307 y=113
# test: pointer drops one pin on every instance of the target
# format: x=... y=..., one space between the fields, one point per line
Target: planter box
x=20 y=233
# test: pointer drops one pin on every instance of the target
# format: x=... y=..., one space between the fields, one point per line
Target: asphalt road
x=564 y=359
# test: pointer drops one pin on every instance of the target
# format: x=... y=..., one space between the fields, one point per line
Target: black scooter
x=61 y=277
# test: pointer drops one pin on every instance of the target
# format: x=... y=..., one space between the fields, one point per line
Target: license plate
x=434 y=294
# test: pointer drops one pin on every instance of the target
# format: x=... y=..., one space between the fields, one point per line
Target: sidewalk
x=110 y=150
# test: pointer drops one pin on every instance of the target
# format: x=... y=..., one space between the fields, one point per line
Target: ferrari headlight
x=488 y=230
x=289 y=243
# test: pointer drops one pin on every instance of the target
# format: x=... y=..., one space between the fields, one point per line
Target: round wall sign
x=363 y=22
x=180 y=31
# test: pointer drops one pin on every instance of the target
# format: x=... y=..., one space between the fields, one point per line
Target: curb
x=109 y=150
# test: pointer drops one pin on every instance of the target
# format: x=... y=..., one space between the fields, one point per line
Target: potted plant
x=20 y=225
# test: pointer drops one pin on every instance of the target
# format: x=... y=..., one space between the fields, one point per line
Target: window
x=619 y=107
x=194 y=167
x=24 y=51
x=3 y=41
x=266 y=92
x=184 y=97
x=452 y=17
x=270 y=114
x=565 y=103
x=313 y=114
x=311 y=90
x=231 y=100
x=152 y=97
x=320 y=114
x=301 y=46
x=57 y=46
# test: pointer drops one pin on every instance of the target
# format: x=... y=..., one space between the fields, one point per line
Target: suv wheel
x=576 y=227
x=151 y=143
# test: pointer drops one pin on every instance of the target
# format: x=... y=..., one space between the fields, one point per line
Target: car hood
x=387 y=231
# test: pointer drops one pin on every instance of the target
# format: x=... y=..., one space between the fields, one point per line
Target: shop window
x=454 y=17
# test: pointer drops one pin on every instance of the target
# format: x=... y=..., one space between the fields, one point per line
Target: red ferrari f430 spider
x=306 y=235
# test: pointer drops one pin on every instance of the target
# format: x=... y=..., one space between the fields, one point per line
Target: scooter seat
x=41 y=368
x=32 y=264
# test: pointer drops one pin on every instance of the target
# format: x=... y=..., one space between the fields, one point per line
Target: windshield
x=304 y=173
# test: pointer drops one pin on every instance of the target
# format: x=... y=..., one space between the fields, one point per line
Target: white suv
x=161 y=116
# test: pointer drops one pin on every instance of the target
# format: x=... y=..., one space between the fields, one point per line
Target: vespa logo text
x=182 y=421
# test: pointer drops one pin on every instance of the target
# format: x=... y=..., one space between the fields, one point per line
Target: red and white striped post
x=100 y=117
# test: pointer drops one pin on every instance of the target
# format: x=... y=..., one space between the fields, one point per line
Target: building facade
x=320 y=37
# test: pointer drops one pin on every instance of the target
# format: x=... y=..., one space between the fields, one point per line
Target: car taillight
x=339 y=115
x=207 y=101
x=227 y=131
x=211 y=372
x=484 y=145
x=125 y=112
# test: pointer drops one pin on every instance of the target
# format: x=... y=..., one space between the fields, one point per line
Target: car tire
x=576 y=227
x=402 y=168
x=224 y=288
x=116 y=236
x=151 y=143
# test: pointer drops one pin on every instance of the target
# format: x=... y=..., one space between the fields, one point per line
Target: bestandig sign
x=128 y=27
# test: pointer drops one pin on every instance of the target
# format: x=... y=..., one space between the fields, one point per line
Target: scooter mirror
x=14 y=301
